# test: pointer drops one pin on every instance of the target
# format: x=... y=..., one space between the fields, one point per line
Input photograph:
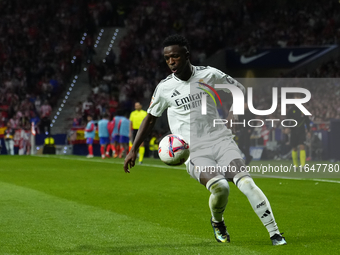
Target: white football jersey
x=183 y=99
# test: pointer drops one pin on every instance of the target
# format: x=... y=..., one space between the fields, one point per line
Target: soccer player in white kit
x=181 y=94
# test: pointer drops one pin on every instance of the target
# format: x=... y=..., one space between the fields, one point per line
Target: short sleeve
x=222 y=78
x=158 y=103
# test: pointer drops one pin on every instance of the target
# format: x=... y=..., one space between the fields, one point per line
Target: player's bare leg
x=117 y=148
x=108 y=148
x=102 y=150
x=258 y=201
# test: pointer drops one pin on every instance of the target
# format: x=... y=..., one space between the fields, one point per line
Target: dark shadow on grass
x=133 y=248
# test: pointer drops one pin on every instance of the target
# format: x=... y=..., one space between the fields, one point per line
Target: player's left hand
x=129 y=161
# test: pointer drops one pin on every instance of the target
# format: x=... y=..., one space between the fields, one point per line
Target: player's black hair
x=176 y=40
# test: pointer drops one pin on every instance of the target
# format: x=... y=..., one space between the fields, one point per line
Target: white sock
x=258 y=201
x=219 y=188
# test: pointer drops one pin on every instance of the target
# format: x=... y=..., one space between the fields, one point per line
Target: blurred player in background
x=9 y=136
x=210 y=146
x=89 y=135
x=298 y=133
x=136 y=118
x=124 y=131
x=103 y=133
x=114 y=126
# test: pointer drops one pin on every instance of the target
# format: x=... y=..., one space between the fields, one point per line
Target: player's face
x=177 y=58
x=138 y=106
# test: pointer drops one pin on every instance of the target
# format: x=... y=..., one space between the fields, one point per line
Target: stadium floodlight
x=58 y=113
x=74 y=81
x=70 y=89
x=66 y=97
x=59 y=109
x=51 y=125
x=109 y=49
x=112 y=41
x=53 y=121
x=117 y=29
x=72 y=61
x=113 y=37
x=55 y=117
x=46 y=133
x=64 y=152
x=107 y=53
x=62 y=105
x=85 y=69
x=115 y=33
x=95 y=45
x=98 y=37
x=81 y=42
x=76 y=77
x=110 y=45
x=64 y=101
x=97 y=41
x=101 y=30
x=85 y=34
x=83 y=38
x=104 y=60
x=74 y=57
x=100 y=34
x=72 y=85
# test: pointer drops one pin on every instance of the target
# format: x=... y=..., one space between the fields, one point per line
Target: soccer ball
x=173 y=150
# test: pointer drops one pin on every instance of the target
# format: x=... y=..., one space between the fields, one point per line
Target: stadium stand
x=36 y=50
x=249 y=26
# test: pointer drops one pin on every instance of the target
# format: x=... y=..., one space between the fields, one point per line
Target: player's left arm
x=144 y=130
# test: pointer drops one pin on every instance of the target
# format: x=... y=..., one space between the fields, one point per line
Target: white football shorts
x=216 y=157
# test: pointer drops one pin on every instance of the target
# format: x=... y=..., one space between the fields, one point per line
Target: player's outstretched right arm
x=144 y=129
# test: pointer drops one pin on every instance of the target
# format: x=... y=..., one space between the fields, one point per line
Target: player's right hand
x=129 y=161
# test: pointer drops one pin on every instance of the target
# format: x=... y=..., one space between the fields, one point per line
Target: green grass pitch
x=74 y=205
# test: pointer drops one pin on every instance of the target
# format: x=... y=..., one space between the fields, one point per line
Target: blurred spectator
x=88 y=108
x=45 y=112
x=36 y=120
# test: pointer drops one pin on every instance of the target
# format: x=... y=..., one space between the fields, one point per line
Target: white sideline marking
x=181 y=168
x=108 y=161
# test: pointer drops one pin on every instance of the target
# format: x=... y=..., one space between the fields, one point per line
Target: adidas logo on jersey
x=175 y=94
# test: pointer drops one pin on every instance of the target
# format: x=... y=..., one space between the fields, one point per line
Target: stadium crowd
x=38 y=40
x=249 y=25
